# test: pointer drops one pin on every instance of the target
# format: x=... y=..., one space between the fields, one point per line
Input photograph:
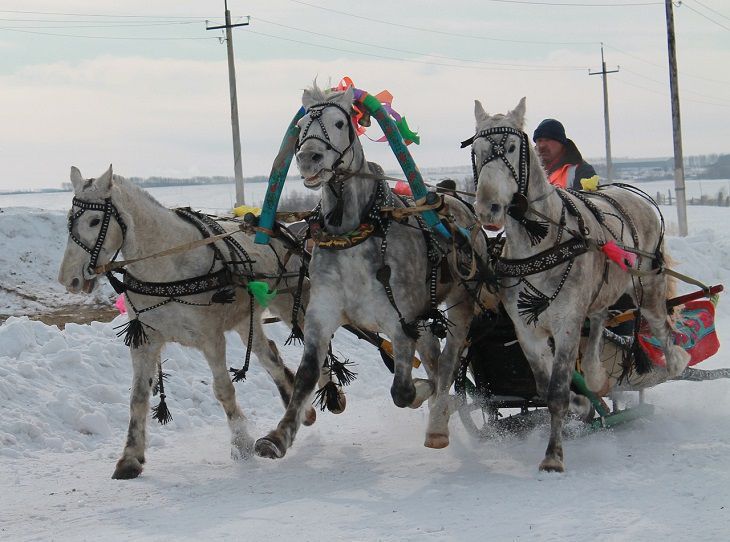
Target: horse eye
x=94 y=222
x=340 y=124
x=511 y=148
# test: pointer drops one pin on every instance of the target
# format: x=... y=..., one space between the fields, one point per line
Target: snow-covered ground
x=362 y=475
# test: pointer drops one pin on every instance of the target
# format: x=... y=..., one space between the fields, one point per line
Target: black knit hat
x=550 y=129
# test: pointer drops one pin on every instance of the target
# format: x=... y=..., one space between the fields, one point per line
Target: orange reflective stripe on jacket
x=563 y=176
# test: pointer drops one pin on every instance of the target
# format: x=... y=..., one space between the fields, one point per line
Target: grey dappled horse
x=550 y=285
x=381 y=283
x=109 y=215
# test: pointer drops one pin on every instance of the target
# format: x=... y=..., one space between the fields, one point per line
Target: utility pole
x=237 y=167
x=603 y=72
x=676 y=125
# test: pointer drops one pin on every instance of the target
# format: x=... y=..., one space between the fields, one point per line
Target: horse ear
x=77 y=180
x=518 y=113
x=479 y=112
x=308 y=98
x=347 y=98
x=104 y=183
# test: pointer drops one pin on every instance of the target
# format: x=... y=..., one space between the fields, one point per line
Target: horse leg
x=595 y=373
x=406 y=391
x=321 y=324
x=558 y=397
x=214 y=350
x=654 y=310
x=268 y=355
x=437 y=433
x=145 y=360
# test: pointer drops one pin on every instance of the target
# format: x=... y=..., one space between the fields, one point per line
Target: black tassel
x=642 y=363
x=134 y=334
x=334 y=217
x=339 y=369
x=327 y=397
x=536 y=230
x=239 y=375
x=117 y=284
x=296 y=336
x=161 y=413
x=224 y=296
x=531 y=306
x=410 y=329
x=437 y=323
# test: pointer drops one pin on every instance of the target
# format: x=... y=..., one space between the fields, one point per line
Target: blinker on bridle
x=109 y=211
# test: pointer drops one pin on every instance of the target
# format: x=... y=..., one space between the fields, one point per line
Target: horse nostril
x=75 y=283
x=495 y=208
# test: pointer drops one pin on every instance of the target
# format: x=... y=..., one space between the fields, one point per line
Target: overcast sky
x=142 y=84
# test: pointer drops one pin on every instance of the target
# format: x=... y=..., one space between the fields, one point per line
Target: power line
x=577 y=4
x=100 y=15
x=704 y=16
x=664 y=83
x=109 y=25
x=441 y=32
x=413 y=52
x=102 y=37
x=349 y=51
x=708 y=8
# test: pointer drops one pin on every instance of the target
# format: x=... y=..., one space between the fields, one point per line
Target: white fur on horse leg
x=596 y=376
x=677 y=359
x=424 y=390
x=241 y=442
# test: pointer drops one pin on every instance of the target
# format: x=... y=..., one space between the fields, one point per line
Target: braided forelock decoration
x=109 y=210
x=536 y=230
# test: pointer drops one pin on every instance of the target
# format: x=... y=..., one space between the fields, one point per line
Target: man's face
x=548 y=149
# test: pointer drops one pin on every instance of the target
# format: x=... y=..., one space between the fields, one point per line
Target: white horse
x=553 y=271
x=372 y=272
x=170 y=298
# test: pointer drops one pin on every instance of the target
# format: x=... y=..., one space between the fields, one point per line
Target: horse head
x=500 y=150
x=95 y=231
x=328 y=144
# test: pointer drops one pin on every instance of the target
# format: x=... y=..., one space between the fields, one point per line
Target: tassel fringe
x=296 y=336
x=327 y=397
x=161 y=413
x=339 y=369
x=134 y=333
x=239 y=375
x=531 y=306
x=536 y=230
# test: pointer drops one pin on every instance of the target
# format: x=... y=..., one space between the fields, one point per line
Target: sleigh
x=496 y=391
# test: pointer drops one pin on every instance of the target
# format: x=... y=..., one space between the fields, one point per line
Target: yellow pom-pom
x=241 y=210
x=590 y=184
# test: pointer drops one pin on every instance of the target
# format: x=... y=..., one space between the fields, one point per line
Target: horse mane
x=135 y=190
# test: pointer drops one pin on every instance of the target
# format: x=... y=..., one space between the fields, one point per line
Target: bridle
x=498 y=150
x=109 y=210
x=315 y=114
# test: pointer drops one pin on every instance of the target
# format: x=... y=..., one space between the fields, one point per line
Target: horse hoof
x=310 y=416
x=266 y=447
x=127 y=469
x=550 y=464
x=436 y=441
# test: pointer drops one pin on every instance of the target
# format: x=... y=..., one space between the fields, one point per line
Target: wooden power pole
x=607 y=127
x=676 y=125
x=237 y=166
